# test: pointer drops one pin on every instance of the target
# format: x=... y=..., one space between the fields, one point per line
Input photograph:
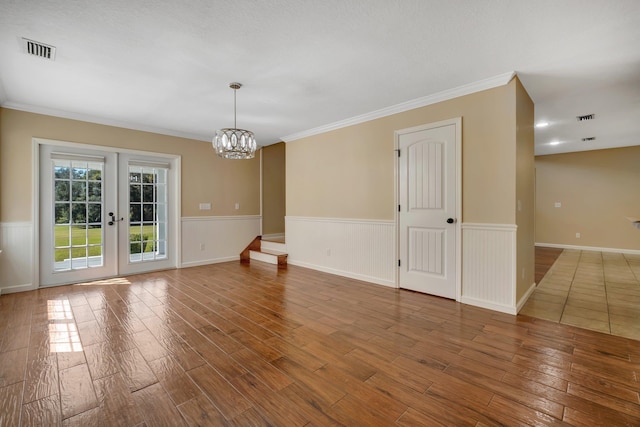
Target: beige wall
x=273 y=188
x=597 y=190
x=349 y=172
x=525 y=190
x=205 y=176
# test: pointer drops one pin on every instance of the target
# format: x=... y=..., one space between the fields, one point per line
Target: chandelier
x=234 y=143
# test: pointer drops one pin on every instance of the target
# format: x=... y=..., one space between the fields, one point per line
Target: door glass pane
x=147 y=213
x=78 y=205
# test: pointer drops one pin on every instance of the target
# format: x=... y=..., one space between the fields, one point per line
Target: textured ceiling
x=165 y=66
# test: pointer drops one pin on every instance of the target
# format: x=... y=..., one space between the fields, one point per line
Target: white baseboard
x=525 y=297
x=591 y=248
x=364 y=278
x=209 y=261
x=489 y=305
x=17 y=288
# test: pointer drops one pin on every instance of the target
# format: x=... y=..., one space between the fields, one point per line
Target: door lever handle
x=113 y=219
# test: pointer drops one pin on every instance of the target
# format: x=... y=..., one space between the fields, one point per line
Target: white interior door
x=427 y=213
x=77 y=190
x=104 y=213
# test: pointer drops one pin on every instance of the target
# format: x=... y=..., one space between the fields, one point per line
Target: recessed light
x=554 y=143
x=542 y=124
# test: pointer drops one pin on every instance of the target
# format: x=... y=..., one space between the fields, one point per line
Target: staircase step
x=267 y=245
x=270 y=256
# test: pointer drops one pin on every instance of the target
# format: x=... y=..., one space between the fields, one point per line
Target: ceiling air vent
x=590 y=138
x=585 y=118
x=38 y=49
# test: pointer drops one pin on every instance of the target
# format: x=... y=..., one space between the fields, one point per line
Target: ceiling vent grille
x=590 y=138
x=38 y=49
x=586 y=117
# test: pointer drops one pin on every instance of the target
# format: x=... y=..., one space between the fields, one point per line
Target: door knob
x=450 y=221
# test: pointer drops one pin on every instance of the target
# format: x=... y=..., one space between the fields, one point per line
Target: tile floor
x=592 y=290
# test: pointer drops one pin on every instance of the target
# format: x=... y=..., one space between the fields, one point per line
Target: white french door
x=146 y=194
x=428 y=208
x=103 y=213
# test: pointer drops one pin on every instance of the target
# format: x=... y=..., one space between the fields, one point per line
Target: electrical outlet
x=558 y=205
x=237 y=205
x=202 y=246
x=577 y=235
x=205 y=206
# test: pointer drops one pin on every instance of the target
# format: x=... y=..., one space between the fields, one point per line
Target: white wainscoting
x=359 y=249
x=223 y=237
x=16 y=264
x=489 y=266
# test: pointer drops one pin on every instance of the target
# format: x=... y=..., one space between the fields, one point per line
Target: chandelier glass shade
x=234 y=143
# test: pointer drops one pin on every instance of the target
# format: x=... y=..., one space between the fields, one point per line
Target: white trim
x=343 y=273
x=495 y=227
x=210 y=261
x=220 y=218
x=17 y=288
x=35 y=215
x=591 y=248
x=103 y=121
x=106 y=148
x=396 y=172
x=525 y=297
x=445 y=95
x=489 y=305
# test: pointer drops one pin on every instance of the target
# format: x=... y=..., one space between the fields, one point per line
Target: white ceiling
x=165 y=66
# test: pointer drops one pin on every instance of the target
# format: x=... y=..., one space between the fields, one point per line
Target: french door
x=103 y=214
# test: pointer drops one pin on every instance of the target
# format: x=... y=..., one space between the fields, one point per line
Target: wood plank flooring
x=251 y=345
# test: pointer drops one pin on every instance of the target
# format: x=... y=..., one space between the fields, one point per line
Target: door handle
x=113 y=219
x=450 y=221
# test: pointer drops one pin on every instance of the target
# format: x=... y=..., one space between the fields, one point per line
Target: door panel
x=146 y=193
x=427 y=196
x=76 y=188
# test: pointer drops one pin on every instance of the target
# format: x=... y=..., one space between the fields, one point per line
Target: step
x=270 y=256
x=267 y=245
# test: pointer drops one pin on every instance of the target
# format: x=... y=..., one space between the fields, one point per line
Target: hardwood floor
x=251 y=345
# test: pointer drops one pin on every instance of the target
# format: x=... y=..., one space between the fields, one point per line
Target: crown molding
x=445 y=95
x=99 y=120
